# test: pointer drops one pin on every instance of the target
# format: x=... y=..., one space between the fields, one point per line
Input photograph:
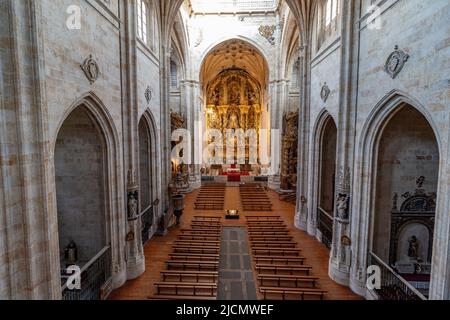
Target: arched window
x=327 y=20
x=173 y=74
x=143 y=21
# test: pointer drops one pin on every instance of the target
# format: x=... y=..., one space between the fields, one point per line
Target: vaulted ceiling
x=234 y=54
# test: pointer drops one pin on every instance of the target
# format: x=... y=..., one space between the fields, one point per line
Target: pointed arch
x=113 y=193
x=365 y=176
x=155 y=160
x=323 y=121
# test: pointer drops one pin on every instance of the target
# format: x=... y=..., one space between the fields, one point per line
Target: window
x=173 y=74
x=142 y=23
x=327 y=20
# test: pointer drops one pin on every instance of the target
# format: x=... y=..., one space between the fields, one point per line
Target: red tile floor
x=157 y=249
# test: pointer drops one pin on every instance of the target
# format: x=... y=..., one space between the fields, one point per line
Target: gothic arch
x=113 y=184
x=324 y=119
x=251 y=42
x=365 y=177
x=155 y=159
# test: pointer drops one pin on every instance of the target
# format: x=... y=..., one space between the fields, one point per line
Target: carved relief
x=289 y=151
x=91 y=69
x=395 y=62
x=267 y=32
x=148 y=94
x=325 y=92
x=177 y=121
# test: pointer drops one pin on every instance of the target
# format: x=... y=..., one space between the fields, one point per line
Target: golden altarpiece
x=234 y=102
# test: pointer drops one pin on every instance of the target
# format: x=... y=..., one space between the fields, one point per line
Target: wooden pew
x=197 y=242
x=190 y=276
x=273 y=244
x=296 y=281
x=282 y=268
x=194 y=257
x=197 y=245
x=207 y=218
x=271 y=238
x=268 y=233
x=184 y=288
x=196 y=250
x=215 y=232
x=272 y=222
x=279 y=260
x=262 y=217
x=198 y=237
x=266 y=228
x=276 y=251
x=190 y=265
x=297 y=292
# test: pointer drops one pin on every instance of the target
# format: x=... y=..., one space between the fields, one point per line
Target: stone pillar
x=341 y=259
x=193 y=110
x=301 y=215
x=134 y=250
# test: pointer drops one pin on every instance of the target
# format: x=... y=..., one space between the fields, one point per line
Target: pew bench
x=184 y=288
x=273 y=244
x=194 y=257
x=190 y=265
x=297 y=281
x=191 y=276
x=187 y=249
x=297 y=292
x=279 y=260
x=279 y=268
x=276 y=251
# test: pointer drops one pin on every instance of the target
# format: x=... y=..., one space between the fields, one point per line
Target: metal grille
x=94 y=275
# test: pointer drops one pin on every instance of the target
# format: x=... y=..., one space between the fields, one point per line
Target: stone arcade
x=330 y=115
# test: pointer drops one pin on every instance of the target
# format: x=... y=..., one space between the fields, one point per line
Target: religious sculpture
x=413 y=249
x=342 y=206
x=234 y=103
x=132 y=204
x=289 y=151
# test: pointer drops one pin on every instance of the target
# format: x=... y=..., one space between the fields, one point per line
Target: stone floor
x=157 y=250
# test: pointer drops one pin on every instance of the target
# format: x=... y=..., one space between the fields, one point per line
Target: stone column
x=193 y=109
x=301 y=215
x=340 y=261
x=135 y=253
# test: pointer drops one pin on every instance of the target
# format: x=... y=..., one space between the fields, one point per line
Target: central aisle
x=236 y=278
x=158 y=249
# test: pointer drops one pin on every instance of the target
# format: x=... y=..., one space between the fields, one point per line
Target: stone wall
x=80 y=190
x=407 y=151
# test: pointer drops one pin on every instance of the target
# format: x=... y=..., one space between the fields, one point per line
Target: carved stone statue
x=413 y=249
x=342 y=203
x=132 y=205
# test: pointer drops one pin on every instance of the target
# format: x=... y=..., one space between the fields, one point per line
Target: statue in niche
x=252 y=97
x=235 y=95
x=413 y=249
x=132 y=204
x=342 y=204
x=215 y=97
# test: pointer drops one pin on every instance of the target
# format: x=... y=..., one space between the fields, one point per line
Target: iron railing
x=393 y=286
x=94 y=275
x=325 y=226
x=146 y=223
